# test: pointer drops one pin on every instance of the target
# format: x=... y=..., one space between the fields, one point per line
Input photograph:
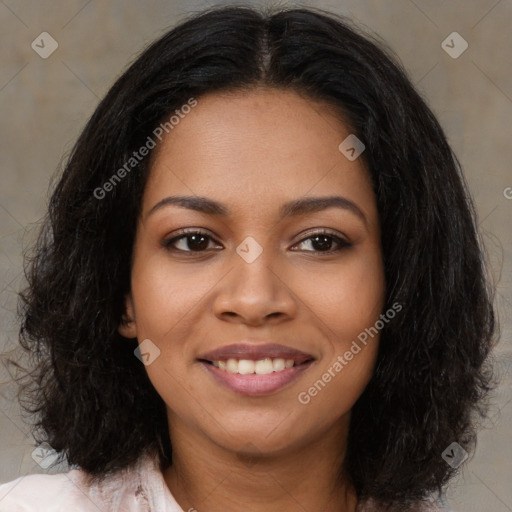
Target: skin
x=254 y=151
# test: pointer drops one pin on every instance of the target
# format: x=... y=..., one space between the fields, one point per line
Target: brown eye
x=323 y=242
x=192 y=241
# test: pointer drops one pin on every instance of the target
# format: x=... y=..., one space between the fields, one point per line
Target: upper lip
x=255 y=352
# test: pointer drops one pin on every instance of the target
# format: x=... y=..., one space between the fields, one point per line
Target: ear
x=127 y=327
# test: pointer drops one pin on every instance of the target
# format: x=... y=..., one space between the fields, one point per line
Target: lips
x=255 y=352
x=256 y=384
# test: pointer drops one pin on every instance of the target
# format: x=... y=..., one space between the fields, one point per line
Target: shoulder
x=138 y=489
x=44 y=492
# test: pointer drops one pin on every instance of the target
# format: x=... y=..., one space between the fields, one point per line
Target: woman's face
x=260 y=272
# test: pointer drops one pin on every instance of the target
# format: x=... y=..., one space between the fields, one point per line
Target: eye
x=195 y=240
x=322 y=242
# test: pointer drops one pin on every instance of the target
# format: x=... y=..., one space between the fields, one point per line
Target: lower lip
x=256 y=385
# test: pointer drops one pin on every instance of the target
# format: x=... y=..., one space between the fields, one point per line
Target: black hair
x=93 y=399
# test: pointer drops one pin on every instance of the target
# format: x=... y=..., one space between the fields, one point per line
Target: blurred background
x=59 y=58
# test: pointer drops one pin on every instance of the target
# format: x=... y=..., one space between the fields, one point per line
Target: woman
x=259 y=283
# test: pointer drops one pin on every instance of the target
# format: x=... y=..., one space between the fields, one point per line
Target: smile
x=254 y=384
x=248 y=366
x=255 y=369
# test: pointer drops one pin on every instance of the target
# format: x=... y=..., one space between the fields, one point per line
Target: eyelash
x=188 y=233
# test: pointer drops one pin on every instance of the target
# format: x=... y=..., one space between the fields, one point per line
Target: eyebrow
x=290 y=209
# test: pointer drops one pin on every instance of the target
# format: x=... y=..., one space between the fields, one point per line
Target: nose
x=255 y=293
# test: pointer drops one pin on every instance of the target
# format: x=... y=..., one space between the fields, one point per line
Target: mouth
x=255 y=369
x=251 y=367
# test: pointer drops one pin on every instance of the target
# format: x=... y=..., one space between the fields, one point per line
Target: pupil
x=195 y=244
x=198 y=242
x=326 y=245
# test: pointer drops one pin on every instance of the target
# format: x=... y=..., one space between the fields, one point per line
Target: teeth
x=247 y=366
x=232 y=366
x=278 y=364
x=264 y=366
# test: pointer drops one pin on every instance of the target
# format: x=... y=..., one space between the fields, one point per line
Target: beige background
x=46 y=102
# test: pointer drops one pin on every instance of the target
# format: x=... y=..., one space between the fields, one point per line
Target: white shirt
x=142 y=489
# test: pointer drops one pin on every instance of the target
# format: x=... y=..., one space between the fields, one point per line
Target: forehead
x=256 y=147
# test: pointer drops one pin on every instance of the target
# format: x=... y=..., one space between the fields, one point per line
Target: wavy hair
x=93 y=399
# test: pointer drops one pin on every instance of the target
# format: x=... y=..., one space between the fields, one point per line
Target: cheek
x=337 y=387
x=166 y=296
x=346 y=299
x=347 y=304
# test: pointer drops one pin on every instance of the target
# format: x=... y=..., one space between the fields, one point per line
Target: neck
x=205 y=476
